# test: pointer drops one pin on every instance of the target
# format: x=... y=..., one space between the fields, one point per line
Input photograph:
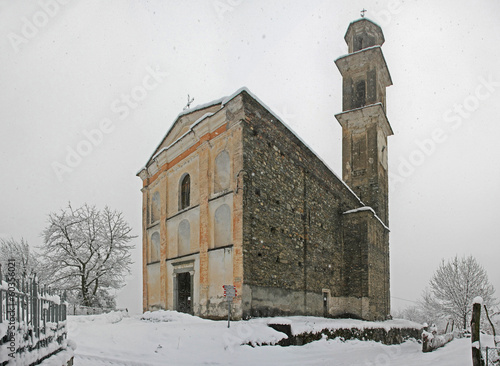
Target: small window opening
x=185 y=192
x=360 y=94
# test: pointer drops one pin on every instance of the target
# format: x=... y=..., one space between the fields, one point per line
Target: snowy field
x=171 y=338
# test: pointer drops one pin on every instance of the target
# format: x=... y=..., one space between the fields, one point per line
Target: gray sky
x=124 y=68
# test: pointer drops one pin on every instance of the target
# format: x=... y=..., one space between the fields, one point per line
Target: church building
x=232 y=196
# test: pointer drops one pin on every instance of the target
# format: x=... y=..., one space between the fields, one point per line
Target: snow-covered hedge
x=308 y=329
x=392 y=336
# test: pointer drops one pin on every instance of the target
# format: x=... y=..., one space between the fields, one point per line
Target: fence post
x=475 y=335
x=6 y=299
x=36 y=310
x=18 y=298
x=23 y=292
x=29 y=301
x=1 y=297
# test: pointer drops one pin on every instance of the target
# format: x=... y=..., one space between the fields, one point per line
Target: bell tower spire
x=365 y=126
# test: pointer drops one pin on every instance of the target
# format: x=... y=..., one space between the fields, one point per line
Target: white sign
x=229 y=291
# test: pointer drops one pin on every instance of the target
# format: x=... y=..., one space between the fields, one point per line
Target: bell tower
x=365 y=127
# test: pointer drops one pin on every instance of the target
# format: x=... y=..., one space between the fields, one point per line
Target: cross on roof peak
x=363 y=12
x=188 y=105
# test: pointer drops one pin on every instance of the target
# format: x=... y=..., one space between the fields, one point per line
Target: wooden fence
x=32 y=320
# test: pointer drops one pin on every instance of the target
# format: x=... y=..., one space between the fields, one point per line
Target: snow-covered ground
x=171 y=338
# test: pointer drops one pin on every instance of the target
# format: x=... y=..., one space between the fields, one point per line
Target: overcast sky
x=124 y=68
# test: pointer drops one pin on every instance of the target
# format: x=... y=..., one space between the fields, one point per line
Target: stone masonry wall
x=356 y=254
x=293 y=205
x=379 y=278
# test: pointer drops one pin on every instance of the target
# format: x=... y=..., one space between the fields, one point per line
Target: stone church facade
x=232 y=196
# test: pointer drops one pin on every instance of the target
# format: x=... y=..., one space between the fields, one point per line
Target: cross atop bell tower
x=365 y=126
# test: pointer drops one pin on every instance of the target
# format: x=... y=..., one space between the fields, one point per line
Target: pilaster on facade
x=204 y=184
x=237 y=148
x=163 y=239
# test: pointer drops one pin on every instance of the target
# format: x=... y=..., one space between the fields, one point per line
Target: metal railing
x=32 y=319
x=491 y=356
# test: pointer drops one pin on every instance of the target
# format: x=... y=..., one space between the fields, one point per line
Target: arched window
x=222 y=226
x=222 y=172
x=155 y=207
x=154 y=248
x=184 y=238
x=185 y=191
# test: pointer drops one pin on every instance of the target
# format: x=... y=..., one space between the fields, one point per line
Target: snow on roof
x=360 y=108
x=201 y=106
x=366 y=208
x=141 y=169
x=224 y=101
x=361 y=19
x=293 y=132
x=183 y=113
x=206 y=115
x=365 y=107
x=359 y=51
x=368 y=49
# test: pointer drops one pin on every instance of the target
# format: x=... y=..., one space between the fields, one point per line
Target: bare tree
x=25 y=261
x=453 y=287
x=86 y=251
x=413 y=313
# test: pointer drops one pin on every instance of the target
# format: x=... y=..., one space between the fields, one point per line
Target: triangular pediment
x=183 y=124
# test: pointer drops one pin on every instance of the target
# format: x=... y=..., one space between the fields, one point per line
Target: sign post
x=229 y=294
